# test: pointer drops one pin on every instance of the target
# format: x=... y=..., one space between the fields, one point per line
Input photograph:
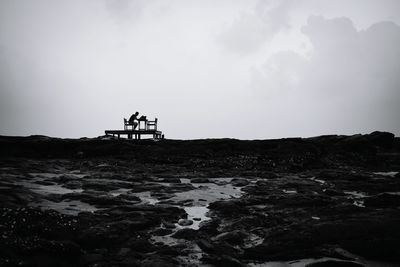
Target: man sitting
x=132 y=120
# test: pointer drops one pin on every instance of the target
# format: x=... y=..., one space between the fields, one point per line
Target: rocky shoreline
x=323 y=201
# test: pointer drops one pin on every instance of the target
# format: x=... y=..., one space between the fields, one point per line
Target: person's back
x=132 y=119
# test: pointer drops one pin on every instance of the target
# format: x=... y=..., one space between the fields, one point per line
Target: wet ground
x=330 y=201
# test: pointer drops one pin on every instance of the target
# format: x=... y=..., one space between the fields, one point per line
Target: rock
x=383 y=200
x=199 y=180
x=140 y=245
x=169 y=225
x=333 y=263
x=205 y=245
x=383 y=139
x=156 y=260
x=234 y=237
x=174 y=180
x=92 y=258
x=228 y=207
x=185 y=222
x=162 y=232
x=333 y=192
x=186 y=233
x=222 y=260
x=239 y=182
x=124 y=251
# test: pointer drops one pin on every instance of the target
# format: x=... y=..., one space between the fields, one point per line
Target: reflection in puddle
x=197 y=215
x=200 y=198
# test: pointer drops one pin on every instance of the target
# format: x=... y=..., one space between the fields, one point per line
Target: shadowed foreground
x=103 y=202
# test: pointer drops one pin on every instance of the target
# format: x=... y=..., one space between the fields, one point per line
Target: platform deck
x=134 y=133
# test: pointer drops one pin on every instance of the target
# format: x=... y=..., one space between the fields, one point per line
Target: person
x=132 y=120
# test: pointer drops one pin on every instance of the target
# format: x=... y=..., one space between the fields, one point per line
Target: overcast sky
x=253 y=69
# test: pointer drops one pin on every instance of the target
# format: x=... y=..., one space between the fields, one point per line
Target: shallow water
x=51 y=189
x=196 y=212
x=120 y=191
x=389 y=174
x=146 y=197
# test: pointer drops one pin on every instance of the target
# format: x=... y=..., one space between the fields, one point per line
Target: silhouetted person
x=132 y=120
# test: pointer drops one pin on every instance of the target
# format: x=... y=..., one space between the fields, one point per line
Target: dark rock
x=124 y=251
x=228 y=207
x=185 y=222
x=333 y=192
x=162 y=232
x=383 y=200
x=185 y=233
x=169 y=225
x=140 y=245
x=173 y=180
x=199 y=180
x=206 y=246
x=235 y=237
x=333 y=263
x=239 y=182
x=383 y=139
x=222 y=260
x=92 y=258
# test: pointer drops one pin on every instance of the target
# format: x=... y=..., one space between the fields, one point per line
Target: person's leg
x=135 y=124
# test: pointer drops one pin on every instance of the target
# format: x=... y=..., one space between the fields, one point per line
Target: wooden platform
x=135 y=133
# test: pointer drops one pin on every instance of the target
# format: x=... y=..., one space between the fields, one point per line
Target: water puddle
x=46 y=175
x=49 y=189
x=195 y=202
x=206 y=193
x=388 y=174
x=317 y=180
x=357 y=198
x=146 y=197
x=355 y=194
x=118 y=192
x=289 y=191
x=197 y=215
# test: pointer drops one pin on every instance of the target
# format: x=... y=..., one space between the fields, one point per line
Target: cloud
x=253 y=29
x=122 y=10
x=352 y=76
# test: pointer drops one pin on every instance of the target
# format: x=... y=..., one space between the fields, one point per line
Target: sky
x=254 y=69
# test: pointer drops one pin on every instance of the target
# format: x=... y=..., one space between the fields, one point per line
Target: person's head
x=136 y=113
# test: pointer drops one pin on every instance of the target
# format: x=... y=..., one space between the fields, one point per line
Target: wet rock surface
x=323 y=201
